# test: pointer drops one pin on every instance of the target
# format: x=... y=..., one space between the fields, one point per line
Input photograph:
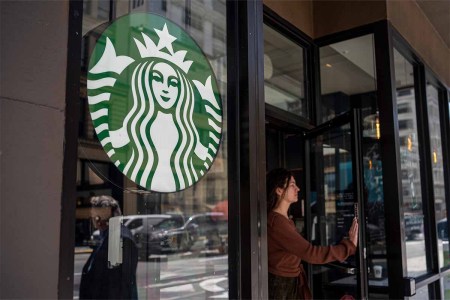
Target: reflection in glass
x=445 y=284
x=182 y=238
x=438 y=171
x=410 y=166
x=95 y=12
x=284 y=75
x=347 y=71
x=332 y=207
x=421 y=294
x=348 y=80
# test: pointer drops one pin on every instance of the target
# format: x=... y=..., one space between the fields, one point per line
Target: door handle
x=347 y=269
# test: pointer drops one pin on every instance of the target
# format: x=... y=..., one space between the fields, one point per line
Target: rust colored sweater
x=287 y=248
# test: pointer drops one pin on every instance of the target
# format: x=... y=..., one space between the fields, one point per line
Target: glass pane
x=348 y=79
x=410 y=166
x=438 y=170
x=178 y=240
x=332 y=210
x=346 y=69
x=421 y=294
x=445 y=286
x=284 y=82
x=95 y=12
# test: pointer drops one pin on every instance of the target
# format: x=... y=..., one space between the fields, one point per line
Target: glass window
x=445 y=285
x=347 y=69
x=421 y=294
x=180 y=238
x=95 y=12
x=438 y=171
x=410 y=167
x=348 y=80
x=284 y=75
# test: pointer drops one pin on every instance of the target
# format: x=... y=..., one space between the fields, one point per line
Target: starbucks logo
x=154 y=102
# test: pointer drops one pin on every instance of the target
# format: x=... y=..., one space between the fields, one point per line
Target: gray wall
x=33 y=59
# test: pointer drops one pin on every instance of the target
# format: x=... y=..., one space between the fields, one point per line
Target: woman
x=287 y=248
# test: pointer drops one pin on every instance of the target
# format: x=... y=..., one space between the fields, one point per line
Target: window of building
x=410 y=167
x=284 y=79
x=347 y=77
x=437 y=165
x=348 y=80
x=182 y=237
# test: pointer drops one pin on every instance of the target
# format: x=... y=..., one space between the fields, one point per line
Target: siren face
x=165 y=85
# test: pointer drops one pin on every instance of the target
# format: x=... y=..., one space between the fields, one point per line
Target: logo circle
x=154 y=102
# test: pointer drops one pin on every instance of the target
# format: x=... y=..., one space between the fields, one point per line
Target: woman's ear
x=279 y=192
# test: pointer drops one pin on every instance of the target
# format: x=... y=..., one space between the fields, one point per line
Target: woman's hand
x=353 y=232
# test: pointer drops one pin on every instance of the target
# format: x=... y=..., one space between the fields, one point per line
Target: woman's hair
x=277 y=178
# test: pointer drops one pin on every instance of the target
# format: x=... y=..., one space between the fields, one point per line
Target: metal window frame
x=246 y=151
x=392 y=187
x=68 y=195
x=444 y=118
x=293 y=34
x=422 y=74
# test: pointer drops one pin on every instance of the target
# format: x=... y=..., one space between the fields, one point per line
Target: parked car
x=207 y=231
x=146 y=228
x=161 y=233
x=132 y=222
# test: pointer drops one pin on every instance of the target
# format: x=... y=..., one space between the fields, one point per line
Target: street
x=177 y=276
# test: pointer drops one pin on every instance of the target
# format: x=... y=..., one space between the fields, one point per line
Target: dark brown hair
x=107 y=201
x=277 y=178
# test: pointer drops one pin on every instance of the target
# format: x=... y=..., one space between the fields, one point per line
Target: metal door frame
x=353 y=118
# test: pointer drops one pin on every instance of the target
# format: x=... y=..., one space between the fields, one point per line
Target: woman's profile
x=287 y=248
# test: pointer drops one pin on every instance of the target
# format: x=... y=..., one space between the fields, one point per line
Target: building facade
x=352 y=96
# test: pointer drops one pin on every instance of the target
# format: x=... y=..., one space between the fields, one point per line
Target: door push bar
x=346 y=268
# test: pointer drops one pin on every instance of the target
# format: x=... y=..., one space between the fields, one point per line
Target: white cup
x=377 y=271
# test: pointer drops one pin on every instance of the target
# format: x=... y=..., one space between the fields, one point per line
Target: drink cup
x=377 y=271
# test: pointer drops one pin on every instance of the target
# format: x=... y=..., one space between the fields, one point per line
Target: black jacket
x=100 y=282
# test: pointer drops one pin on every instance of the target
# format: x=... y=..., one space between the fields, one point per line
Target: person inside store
x=100 y=280
x=287 y=248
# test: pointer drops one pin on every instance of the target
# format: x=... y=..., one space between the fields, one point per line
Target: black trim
x=283 y=119
x=392 y=182
x=68 y=195
x=425 y=280
x=246 y=160
x=358 y=175
x=275 y=21
x=291 y=32
x=337 y=121
x=426 y=173
x=234 y=244
x=422 y=75
x=349 y=34
x=353 y=118
x=444 y=109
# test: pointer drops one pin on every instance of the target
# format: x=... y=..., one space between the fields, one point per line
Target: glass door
x=335 y=196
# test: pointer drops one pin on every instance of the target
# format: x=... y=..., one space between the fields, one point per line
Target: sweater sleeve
x=285 y=235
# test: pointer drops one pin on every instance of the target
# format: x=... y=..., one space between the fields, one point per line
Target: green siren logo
x=154 y=102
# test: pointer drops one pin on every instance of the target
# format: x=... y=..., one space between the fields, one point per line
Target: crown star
x=165 y=39
x=149 y=49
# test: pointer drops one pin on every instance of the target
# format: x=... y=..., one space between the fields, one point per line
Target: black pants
x=282 y=287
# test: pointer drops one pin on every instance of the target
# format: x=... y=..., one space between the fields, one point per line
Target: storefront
x=356 y=108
